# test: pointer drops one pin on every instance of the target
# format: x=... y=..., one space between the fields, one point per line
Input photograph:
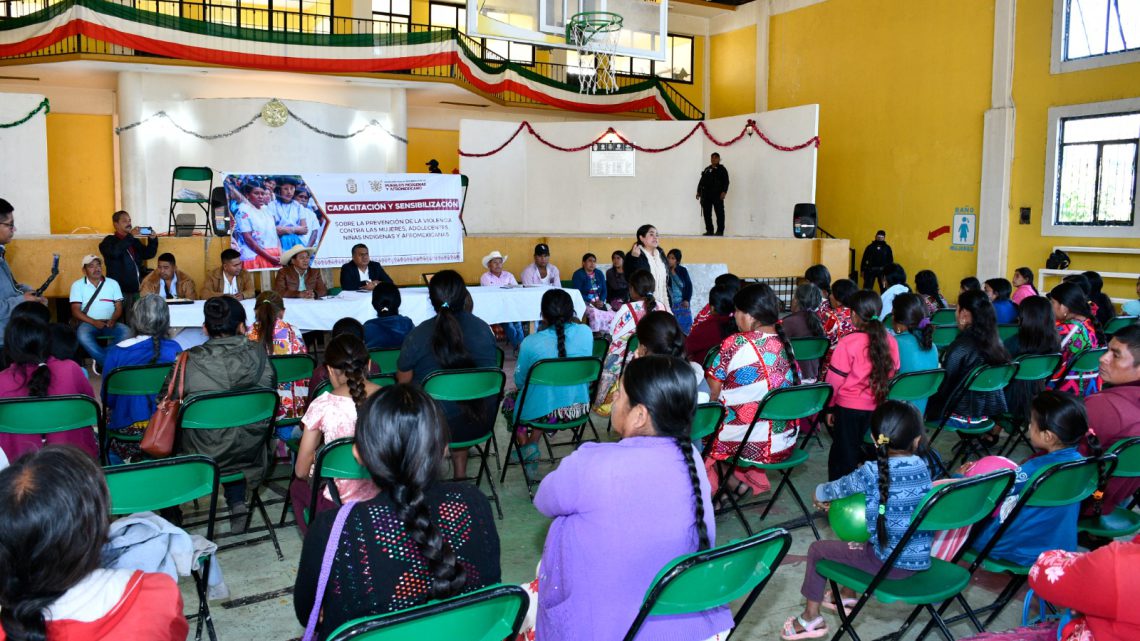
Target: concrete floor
x=260 y=607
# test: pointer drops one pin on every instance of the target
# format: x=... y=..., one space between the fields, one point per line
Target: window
x=677 y=66
x=454 y=16
x=1092 y=183
x=18 y=8
x=1095 y=33
x=391 y=16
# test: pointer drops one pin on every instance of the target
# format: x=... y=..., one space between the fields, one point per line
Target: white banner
x=404 y=219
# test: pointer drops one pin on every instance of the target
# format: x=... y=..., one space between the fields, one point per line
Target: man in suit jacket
x=168 y=281
x=231 y=279
x=362 y=272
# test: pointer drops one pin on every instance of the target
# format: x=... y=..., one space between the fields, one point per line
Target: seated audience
x=168 y=281
x=926 y=284
x=600 y=538
x=560 y=337
x=969 y=284
x=65 y=344
x=750 y=364
x=860 y=371
x=541 y=272
x=362 y=273
x=329 y=417
x=820 y=276
x=389 y=328
x=804 y=322
x=680 y=290
x=496 y=277
x=642 y=300
x=351 y=327
x=1022 y=285
x=295 y=279
x=838 y=322
x=893 y=486
x=617 y=288
x=97 y=305
x=659 y=334
x=892 y=283
x=231 y=279
x=1078 y=329
x=717 y=325
x=56 y=518
x=1057 y=424
x=1103 y=307
x=1114 y=412
x=34 y=372
x=129 y=415
x=453 y=339
x=591 y=283
x=1036 y=334
x=999 y=290
x=732 y=283
x=278 y=338
x=914 y=335
x=977 y=344
x=1132 y=307
x=418 y=540
x=227 y=362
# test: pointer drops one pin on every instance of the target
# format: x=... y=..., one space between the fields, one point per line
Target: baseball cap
x=541 y=250
x=89 y=258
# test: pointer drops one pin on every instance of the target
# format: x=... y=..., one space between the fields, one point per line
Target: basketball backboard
x=543 y=22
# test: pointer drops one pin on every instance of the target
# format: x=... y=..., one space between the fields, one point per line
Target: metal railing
x=851 y=273
x=289 y=23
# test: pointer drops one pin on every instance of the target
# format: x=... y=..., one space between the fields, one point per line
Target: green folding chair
x=291 y=368
x=915 y=386
x=784 y=404
x=889 y=321
x=154 y=485
x=1085 y=365
x=385 y=359
x=601 y=346
x=191 y=174
x=226 y=410
x=944 y=316
x=500 y=357
x=334 y=461
x=131 y=380
x=472 y=385
x=982 y=379
x=711 y=355
x=551 y=372
x=49 y=414
x=1007 y=331
x=943 y=335
x=1118 y=323
x=809 y=348
x=1051 y=486
x=706 y=422
x=946 y=507
x=715 y=578
x=1120 y=522
x=1032 y=369
x=491 y=614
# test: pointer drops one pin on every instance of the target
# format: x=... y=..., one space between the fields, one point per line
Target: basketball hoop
x=595 y=35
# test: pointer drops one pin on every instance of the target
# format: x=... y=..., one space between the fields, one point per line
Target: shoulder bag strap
x=181 y=364
x=91 y=300
x=326 y=569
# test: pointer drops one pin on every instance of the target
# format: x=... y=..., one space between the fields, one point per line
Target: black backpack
x=1057 y=260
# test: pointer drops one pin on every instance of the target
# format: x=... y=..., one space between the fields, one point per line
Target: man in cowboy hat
x=433 y=166
x=362 y=273
x=496 y=277
x=295 y=279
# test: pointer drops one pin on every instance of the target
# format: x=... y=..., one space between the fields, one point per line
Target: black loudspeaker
x=803 y=220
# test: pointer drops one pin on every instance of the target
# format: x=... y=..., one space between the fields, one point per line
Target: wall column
x=997 y=150
x=133 y=170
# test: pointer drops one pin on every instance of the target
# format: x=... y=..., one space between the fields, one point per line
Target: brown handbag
x=158 y=439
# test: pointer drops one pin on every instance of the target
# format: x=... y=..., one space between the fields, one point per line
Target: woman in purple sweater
x=615 y=526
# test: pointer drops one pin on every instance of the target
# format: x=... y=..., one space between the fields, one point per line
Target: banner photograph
x=403 y=219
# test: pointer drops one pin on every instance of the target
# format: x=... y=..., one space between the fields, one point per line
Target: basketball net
x=595 y=35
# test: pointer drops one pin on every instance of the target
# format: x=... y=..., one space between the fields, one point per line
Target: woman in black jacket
x=647 y=254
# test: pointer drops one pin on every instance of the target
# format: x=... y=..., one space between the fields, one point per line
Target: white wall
x=211 y=104
x=23 y=163
x=530 y=188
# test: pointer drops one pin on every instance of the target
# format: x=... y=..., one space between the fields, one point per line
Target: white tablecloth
x=492 y=304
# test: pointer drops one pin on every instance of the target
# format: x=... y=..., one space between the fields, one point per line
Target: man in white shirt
x=541 y=272
x=97 y=304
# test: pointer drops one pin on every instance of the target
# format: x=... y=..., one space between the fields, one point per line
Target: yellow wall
x=902 y=87
x=425 y=144
x=81 y=174
x=1035 y=90
x=732 y=73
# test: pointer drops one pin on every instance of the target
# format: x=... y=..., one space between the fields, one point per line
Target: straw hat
x=493 y=255
x=287 y=257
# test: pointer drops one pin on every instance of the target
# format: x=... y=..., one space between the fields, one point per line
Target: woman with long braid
x=619 y=536
x=642 y=300
x=329 y=417
x=418 y=540
x=561 y=337
x=751 y=363
x=278 y=337
x=1078 y=330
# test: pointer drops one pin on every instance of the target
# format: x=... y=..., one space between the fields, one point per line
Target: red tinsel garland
x=749 y=126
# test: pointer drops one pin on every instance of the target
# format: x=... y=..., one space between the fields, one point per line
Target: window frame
x=1060 y=64
x=628 y=61
x=462 y=27
x=391 y=17
x=1054 y=154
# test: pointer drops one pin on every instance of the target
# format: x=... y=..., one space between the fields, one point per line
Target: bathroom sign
x=962 y=228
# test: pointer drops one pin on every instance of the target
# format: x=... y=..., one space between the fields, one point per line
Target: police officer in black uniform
x=875 y=260
x=711 y=191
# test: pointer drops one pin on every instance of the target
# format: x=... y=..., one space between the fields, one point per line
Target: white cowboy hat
x=493 y=255
x=287 y=257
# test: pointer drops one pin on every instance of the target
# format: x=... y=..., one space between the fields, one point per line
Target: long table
x=492 y=304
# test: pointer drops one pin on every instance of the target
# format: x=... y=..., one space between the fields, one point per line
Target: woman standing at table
x=277 y=338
